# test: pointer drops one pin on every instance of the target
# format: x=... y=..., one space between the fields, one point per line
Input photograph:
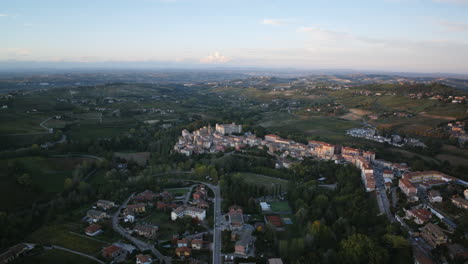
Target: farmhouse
x=93 y=230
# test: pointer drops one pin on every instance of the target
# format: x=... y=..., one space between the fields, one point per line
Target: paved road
x=78 y=253
x=382 y=199
x=138 y=243
x=187 y=195
x=217 y=222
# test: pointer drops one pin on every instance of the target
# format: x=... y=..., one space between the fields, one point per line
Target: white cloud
x=275 y=22
x=18 y=51
x=4 y=15
x=452 y=26
x=215 y=58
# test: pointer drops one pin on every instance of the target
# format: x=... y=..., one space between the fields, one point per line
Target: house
x=146 y=230
x=198 y=195
x=129 y=218
x=143 y=259
x=460 y=203
x=265 y=207
x=105 y=205
x=112 y=251
x=146 y=196
x=434 y=196
x=242 y=246
x=183 y=252
x=420 y=215
x=93 y=230
x=182 y=243
x=408 y=188
x=126 y=247
x=433 y=235
x=136 y=208
x=275 y=261
x=197 y=244
x=236 y=217
x=184 y=210
x=388 y=174
x=96 y=215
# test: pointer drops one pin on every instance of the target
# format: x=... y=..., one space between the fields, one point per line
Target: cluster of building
x=457 y=130
x=410 y=182
x=185 y=246
x=445 y=98
x=207 y=139
x=395 y=140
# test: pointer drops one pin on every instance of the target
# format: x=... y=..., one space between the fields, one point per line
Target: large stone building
x=228 y=129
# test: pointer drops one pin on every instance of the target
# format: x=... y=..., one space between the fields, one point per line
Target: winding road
x=141 y=245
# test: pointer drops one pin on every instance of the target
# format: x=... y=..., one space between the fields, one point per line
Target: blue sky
x=393 y=35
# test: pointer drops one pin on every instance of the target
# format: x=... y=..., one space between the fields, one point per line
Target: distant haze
x=429 y=36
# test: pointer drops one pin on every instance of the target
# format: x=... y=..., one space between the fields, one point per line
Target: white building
x=193 y=212
x=265 y=207
x=227 y=129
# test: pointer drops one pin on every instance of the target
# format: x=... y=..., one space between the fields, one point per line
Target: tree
x=359 y=248
x=24 y=179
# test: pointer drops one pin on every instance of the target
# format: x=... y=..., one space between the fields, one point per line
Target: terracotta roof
x=93 y=228
x=144 y=258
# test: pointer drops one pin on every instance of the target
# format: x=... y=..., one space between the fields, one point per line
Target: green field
x=263 y=180
x=329 y=129
x=54 y=256
x=280 y=206
x=178 y=191
x=60 y=235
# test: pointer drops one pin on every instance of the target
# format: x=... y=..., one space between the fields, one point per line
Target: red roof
x=144 y=258
x=274 y=220
x=183 y=249
x=422 y=214
x=407 y=183
x=93 y=228
x=111 y=250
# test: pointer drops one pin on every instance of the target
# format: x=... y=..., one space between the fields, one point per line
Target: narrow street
x=382 y=199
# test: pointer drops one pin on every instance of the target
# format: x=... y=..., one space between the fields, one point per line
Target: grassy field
x=326 y=128
x=178 y=191
x=89 y=131
x=54 y=256
x=166 y=227
x=265 y=181
x=60 y=235
x=280 y=206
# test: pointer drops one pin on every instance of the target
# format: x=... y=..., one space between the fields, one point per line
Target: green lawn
x=263 y=180
x=280 y=206
x=60 y=235
x=54 y=256
x=178 y=191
